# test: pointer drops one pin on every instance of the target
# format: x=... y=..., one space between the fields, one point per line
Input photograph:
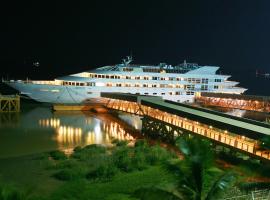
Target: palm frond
x=222 y=183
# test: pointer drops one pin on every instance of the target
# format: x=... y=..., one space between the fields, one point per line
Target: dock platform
x=9 y=103
x=99 y=108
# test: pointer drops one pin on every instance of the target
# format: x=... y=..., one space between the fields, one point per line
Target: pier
x=9 y=103
x=244 y=102
x=171 y=119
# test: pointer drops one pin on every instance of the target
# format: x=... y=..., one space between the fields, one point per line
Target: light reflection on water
x=39 y=130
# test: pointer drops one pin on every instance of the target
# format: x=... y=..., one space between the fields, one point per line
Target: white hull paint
x=86 y=87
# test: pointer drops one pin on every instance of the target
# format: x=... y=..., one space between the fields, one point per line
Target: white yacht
x=176 y=83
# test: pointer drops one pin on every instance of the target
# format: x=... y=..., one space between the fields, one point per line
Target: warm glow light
x=100 y=84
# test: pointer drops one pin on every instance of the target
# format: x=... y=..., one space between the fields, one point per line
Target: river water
x=37 y=129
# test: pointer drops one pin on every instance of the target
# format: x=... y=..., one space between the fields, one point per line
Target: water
x=38 y=129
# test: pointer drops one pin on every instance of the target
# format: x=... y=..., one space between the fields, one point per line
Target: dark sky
x=70 y=37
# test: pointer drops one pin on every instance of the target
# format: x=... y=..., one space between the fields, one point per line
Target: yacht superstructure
x=177 y=83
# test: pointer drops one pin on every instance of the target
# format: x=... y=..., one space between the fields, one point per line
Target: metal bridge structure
x=170 y=120
x=9 y=103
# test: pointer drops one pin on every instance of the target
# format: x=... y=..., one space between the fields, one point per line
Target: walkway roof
x=242 y=126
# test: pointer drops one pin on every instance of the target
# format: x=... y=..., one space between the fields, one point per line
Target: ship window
x=204 y=87
x=205 y=80
x=170 y=93
x=217 y=80
x=177 y=93
x=107 y=76
x=81 y=84
x=103 y=76
x=137 y=78
x=171 y=78
x=154 y=93
x=154 y=78
x=163 y=85
x=154 y=86
x=89 y=92
x=162 y=93
x=90 y=83
x=146 y=93
x=118 y=84
x=128 y=77
x=112 y=77
x=73 y=83
x=137 y=85
x=189 y=87
x=215 y=86
x=96 y=75
x=162 y=78
x=146 y=78
x=145 y=85
x=99 y=76
x=189 y=93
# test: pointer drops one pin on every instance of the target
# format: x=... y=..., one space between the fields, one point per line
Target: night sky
x=71 y=37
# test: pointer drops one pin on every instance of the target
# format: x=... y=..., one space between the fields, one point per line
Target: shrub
x=89 y=152
x=70 y=174
x=158 y=154
x=119 y=143
x=122 y=158
x=139 y=161
x=103 y=172
x=58 y=155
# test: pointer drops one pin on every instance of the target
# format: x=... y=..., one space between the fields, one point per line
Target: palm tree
x=197 y=177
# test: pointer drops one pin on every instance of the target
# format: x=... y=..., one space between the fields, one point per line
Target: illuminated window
x=204 y=87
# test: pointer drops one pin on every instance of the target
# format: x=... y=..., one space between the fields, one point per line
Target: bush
x=119 y=143
x=122 y=158
x=103 y=172
x=141 y=144
x=89 y=152
x=58 y=155
x=70 y=174
x=158 y=154
x=139 y=161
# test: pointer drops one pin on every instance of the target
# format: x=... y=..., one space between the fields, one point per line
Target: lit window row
x=190 y=80
x=169 y=93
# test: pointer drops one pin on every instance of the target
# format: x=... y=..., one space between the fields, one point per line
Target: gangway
x=172 y=119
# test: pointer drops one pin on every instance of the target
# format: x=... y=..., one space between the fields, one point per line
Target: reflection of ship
x=176 y=83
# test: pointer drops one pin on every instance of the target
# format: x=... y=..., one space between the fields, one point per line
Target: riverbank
x=105 y=173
